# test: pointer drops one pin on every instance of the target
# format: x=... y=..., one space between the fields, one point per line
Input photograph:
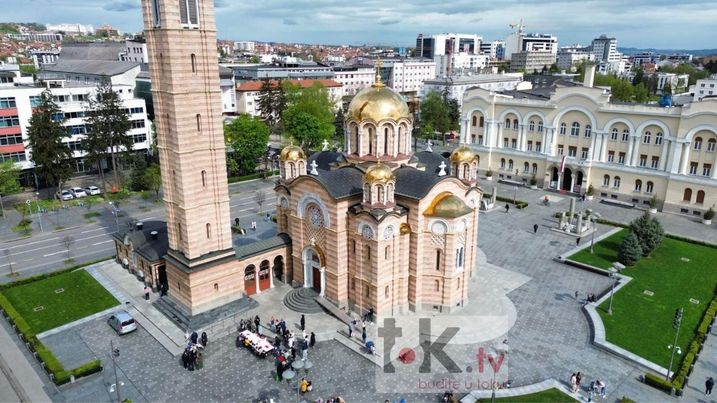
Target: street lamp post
x=674 y=347
x=114 y=353
x=515 y=193
x=593 y=218
x=39 y=215
x=115 y=213
x=616 y=266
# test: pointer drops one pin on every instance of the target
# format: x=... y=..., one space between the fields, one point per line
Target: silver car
x=122 y=322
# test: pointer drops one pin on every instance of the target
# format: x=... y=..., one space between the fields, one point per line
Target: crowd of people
x=193 y=355
x=596 y=388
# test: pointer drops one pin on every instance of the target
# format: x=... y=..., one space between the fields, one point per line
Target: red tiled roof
x=256 y=85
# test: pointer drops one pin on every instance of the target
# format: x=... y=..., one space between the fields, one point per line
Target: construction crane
x=519 y=25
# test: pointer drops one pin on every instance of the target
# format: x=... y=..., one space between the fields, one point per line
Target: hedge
x=658 y=382
x=52 y=365
x=235 y=179
x=38 y=277
x=519 y=204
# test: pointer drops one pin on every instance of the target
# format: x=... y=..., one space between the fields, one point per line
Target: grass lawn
x=676 y=272
x=550 y=395
x=82 y=296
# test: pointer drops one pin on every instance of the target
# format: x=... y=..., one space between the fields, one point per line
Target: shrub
x=709 y=214
x=489 y=173
x=658 y=382
x=591 y=190
x=648 y=231
x=533 y=180
x=653 y=202
x=88 y=368
x=630 y=250
x=23 y=226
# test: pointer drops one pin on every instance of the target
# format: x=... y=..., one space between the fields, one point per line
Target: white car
x=64 y=195
x=93 y=190
x=78 y=192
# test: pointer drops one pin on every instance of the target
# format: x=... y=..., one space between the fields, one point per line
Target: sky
x=662 y=24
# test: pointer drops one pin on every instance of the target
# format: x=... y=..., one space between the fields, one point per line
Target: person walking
x=257 y=322
x=363 y=335
x=146 y=293
x=351 y=331
x=577 y=242
x=573 y=383
x=304 y=349
x=709 y=384
x=535 y=228
x=507 y=208
x=578 y=378
x=312 y=340
x=302 y=322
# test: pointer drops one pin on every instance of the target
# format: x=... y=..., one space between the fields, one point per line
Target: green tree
x=621 y=90
x=639 y=76
x=153 y=179
x=648 y=231
x=339 y=126
x=309 y=115
x=667 y=89
x=266 y=102
x=45 y=134
x=630 y=251
x=136 y=177
x=254 y=60
x=9 y=174
x=435 y=115
x=247 y=136
x=640 y=93
x=108 y=124
x=554 y=68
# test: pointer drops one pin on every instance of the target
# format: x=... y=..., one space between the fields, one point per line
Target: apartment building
x=530 y=61
x=705 y=87
x=408 y=75
x=247 y=93
x=452 y=52
x=354 y=78
x=457 y=86
x=627 y=152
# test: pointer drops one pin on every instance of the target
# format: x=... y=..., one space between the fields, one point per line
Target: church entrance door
x=249 y=280
x=317 y=279
x=264 y=273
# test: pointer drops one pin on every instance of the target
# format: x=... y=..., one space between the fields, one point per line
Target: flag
x=562 y=164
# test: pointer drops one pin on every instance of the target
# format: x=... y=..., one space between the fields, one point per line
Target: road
x=46 y=251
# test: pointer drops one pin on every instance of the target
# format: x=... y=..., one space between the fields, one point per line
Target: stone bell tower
x=202 y=270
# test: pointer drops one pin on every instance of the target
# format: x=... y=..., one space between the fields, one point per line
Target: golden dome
x=292 y=153
x=378 y=173
x=376 y=103
x=463 y=154
x=448 y=206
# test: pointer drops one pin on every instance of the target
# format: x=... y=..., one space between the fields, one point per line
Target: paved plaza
x=520 y=298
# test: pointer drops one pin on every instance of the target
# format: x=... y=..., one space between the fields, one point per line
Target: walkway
x=18 y=380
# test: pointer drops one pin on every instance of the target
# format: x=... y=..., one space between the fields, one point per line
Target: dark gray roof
x=541 y=93
x=150 y=249
x=258 y=247
x=341 y=182
x=92 y=51
x=93 y=67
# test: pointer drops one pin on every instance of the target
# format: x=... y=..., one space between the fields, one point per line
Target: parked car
x=78 y=192
x=122 y=322
x=93 y=190
x=64 y=195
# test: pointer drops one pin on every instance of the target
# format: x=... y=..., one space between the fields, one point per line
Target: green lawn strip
x=549 y=395
x=82 y=296
x=642 y=324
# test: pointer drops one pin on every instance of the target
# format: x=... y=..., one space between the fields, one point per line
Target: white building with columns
x=627 y=152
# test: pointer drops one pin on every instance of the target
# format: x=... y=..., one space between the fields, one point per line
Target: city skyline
x=372 y=22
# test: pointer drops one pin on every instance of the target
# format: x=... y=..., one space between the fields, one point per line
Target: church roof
x=258 y=247
x=152 y=249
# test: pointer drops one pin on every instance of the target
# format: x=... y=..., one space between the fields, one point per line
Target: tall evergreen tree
x=649 y=232
x=266 y=101
x=108 y=124
x=630 y=250
x=52 y=158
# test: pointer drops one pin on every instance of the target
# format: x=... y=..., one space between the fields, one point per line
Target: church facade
x=378 y=226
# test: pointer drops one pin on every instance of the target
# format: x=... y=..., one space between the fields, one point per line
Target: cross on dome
x=326 y=145
x=313 y=168
x=443 y=169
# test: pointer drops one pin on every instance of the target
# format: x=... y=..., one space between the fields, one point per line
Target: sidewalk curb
x=17 y=239
x=68 y=228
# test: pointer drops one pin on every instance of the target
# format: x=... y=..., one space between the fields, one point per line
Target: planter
x=706 y=222
x=589 y=197
x=653 y=210
x=489 y=178
x=534 y=187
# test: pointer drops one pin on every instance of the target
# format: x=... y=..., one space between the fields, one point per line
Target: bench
x=511 y=182
x=619 y=203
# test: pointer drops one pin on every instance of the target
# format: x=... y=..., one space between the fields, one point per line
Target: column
x=360 y=142
x=271 y=276
x=636 y=152
x=544 y=141
x=488 y=133
x=464 y=130
x=673 y=157
x=603 y=147
x=522 y=138
x=256 y=279
x=663 y=156
x=572 y=182
x=348 y=142
x=593 y=144
x=499 y=137
x=322 y=272
x=631 y=145
x=306 y=277
x=713 y=174
x=685 y=158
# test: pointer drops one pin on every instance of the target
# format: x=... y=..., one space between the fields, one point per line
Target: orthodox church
x=378 y=226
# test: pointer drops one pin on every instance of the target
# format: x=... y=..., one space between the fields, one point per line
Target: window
x=474 y=120
x=7 y=103
x=368 y=253
x=638 y=185
x=588 y=130
x=480 y=122
x=368 y=290
x=514 y=143
x=216 y=287
x=575 y=129
x=507 y=124
x=199 y=123
x=706 y=168
x=537 y=146
x=139 y=138
x=189 y=13
x=621 y=158
x=16 y=156
x=606 y=180
x=35 y=101
x=613 y=135
x=515 y=124
x=561 y=149
x=209 y=230
x=502 y=163
x=437 y=285
x=643 y=160
x=459 y=257
x=179 y=230
x=193 y=58
x=655 y=162
x=137 y=124
x=700 y=197
x=646 y=137
x=505 y=142
x=526 y=167
x=648 y=187
x=9 y=121
x=572 y=151
x=563 y=127
x=540 y=125
x=611 y=156
x=697 y=145
x=204 y=178
x=693 y=168
x=385 y=292
x=531 y=126
x=658 y=138
x=438 y=260
x=353 y=246
x=711 y=145
x=535 y=169
x=687 y=195
x=77 y=129
x=616 y=182
x=625 y=135
x=510 y=164
x=387 y=253
x=11 y=139
x=584 y=153
x=353 y=283
x=530 y=146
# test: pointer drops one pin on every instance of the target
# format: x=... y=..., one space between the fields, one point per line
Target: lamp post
x=289 y=374
x=115 y=353
x=593 y=218
x=674 y=347
x=515 y=193
x=115 y=213
x=616 y=266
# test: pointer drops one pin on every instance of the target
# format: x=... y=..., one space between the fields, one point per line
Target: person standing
x=146 y=293
x=573 y=383
x=312 y=340
x=507 y=208
x=577 y=242
x=363 y=335
x=351 y=331
x=302 y=322
x=304 y=349
x=535 y=228
x=709 y=384
x=578 y=378
x=257 y=322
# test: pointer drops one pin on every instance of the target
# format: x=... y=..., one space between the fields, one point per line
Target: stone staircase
x=302 y=300
x=170 y=309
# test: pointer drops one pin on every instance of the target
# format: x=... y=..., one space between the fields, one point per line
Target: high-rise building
x=452 y=52
x=605 y=49
x=181 y=40
x=519 y=41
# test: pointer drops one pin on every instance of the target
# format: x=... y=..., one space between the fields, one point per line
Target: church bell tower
x=181 y=41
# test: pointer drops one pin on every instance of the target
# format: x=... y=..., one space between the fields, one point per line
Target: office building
x=530 y=62
x=704 y=87
x=452 y=52
x=458 y=85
